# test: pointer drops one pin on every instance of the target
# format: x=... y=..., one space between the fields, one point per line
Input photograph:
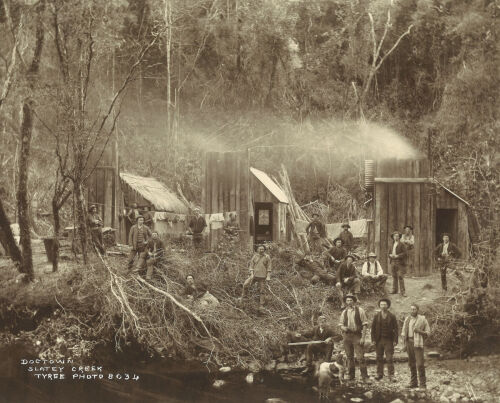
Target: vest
x=357 y=320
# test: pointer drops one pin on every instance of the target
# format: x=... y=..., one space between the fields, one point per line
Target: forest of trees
x=290 y=80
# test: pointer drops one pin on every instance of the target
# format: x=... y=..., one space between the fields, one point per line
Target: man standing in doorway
x=408 y=240
x=415 y=330
x=316 y=233
x=347 y=237
x=138 y=239
x=260 y=272
x=94 y=223
x=197 y=226
x=354 y=324
x=445 y=254
x=385 y=337
x=347 y=278
x=398 y=264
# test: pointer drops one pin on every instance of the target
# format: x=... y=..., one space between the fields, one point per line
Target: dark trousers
x=322 y=351
x=398 y=276
x=443 y=268
x=96 y=235
x=385 y=345
x=353 y=348
x=198 y=241
x=262 y=287
x=140 y=255
x=416 y=363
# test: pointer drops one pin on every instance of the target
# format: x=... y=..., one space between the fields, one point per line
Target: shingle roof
x=270 y=185
x=160 y=196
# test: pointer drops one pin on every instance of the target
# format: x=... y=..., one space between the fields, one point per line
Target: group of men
x=384 y=332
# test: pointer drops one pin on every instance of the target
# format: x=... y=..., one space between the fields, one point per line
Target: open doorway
x=446 y=221
x=263 y=222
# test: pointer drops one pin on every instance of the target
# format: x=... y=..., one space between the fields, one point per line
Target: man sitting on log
x=347 y=278
x=323 y=350
x=372 y=272
x=336 y=254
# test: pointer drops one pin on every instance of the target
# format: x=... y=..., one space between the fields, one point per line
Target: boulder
x=249 y=378
x=356 y=399
x=369 y=394
x=219 y=383
x=225 y=369
x=275 y=400
x=433 y=354
x=397 y=401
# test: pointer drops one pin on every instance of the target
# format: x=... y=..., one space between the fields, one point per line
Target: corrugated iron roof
x=159 y=195
x=452 y=193
x=270 y=185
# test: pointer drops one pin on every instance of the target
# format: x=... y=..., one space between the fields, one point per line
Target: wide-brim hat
x=351 y=255
x=345 y=224
x=139 y=216
x=93 y=206
x=350 y=296
x=372 y=254
x=394 y=233
x=408 y=226
x=337 y=239
x=386 y=300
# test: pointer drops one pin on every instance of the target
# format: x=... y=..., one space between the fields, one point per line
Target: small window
x=263 y=217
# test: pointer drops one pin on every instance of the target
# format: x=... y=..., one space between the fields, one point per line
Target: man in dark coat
x=347 y=237
x=397 y=257
x=197 y=226
x=190 y=290
x=94 y=223
x=316 y=234
x=336 y=254
x=321 y=332
x=347 y=278
x=155 y=253
x=132 y=214
x=138 y=239
x=385 y=337
x=446 y=252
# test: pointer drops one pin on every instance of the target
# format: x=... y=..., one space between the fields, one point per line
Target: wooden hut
x=406 y=194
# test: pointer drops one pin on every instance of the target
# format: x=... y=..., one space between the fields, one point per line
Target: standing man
x=397 y=258
x=148 y=217
x=445 y=254
x=372 y=271
x=133 y=214
x=336 y=254
x=354 y=327
x=155 y=252
x=94 y=223
x=415 y=330
x=260 y=272
x=197 y=226
x=138 y=239
x=347 y=278
x=347 y=237
x=316 y=233
x=321 y=332
x=408 y=240
x=385 y=337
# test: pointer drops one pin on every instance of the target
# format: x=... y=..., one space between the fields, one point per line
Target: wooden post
x=108 y=197
x=245 y=200
x=416 y=222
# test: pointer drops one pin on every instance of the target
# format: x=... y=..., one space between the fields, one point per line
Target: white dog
x=326 y=371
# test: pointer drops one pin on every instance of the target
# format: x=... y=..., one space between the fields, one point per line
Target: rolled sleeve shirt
x=260 y=265
x=351 y=321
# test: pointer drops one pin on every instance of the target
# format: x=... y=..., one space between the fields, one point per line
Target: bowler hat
x=386 y=300
x=350 y=296
x=345 y=224
x=372 y=254
x=408 y=226
x=337 y=239
x=394 y=233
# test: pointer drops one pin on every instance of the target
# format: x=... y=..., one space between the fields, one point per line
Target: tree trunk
x=57 y=229
x=81 y=219
x=22 y=189
x=8 y=241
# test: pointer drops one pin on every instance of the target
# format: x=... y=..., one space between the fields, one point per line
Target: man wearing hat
x=372 y=271
x=347 y=277
x=94 y=223
x=384 y=334
x=138 y=239
x=197 y=225
x=408 y=239
x=320 y=332
x=397 y=257
x=336 y=254
x=445 y=253
x=354 y=324
x=347 y=237
x=316 y=233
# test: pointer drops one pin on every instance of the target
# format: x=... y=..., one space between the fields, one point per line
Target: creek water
x=159 y=381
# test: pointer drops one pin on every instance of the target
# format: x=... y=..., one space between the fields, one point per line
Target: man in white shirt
x=372 y=271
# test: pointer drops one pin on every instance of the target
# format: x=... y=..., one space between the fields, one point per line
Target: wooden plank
x=432 y=229
x=379 y=190
x=107 y=216
x=232 y=184
x=245 y=201
x=204 y=182
x=276 y=222
x=100 y=184
x=401 y=197
x=463 y=232
x=416 y=222
x=238 y=186
x=424 y=230
x=403 y=180
x=227 y=181
x=220 y=182
x=214 y=205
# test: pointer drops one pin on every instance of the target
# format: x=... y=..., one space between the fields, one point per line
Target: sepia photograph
x=249 y=201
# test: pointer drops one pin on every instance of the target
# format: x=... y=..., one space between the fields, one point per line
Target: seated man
x=336 y=254
x=155 y=251
x=321 y=351
x=347 y=278
x=190 y=290
x=372 y=271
